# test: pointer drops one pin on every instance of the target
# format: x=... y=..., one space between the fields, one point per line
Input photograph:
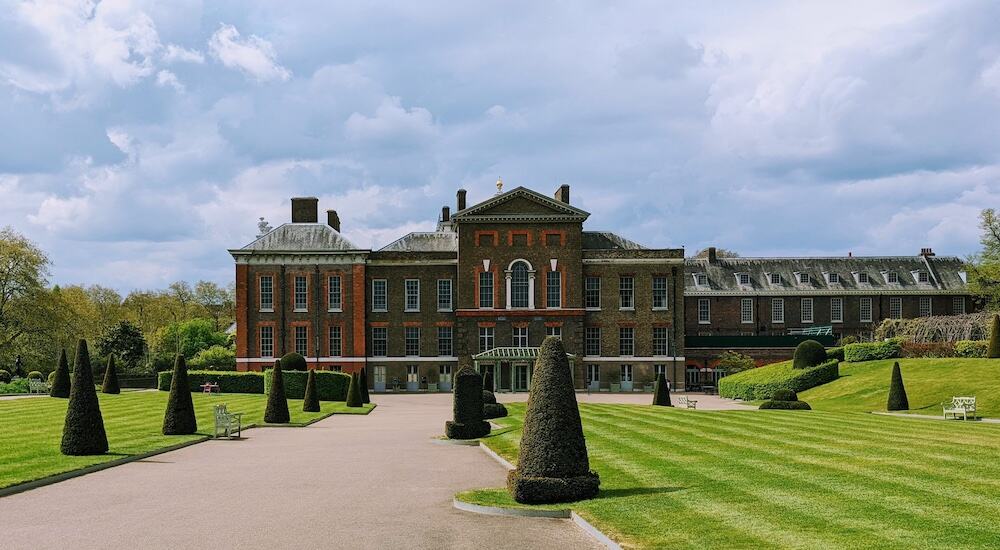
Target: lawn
x=864 y=386
x=675 y=478
x=31 y=428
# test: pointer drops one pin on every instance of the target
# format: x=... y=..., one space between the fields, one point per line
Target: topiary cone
x=61 y=383
x=467 y=409
x=179 y=418
x=661 y=393
x=354 y=392
x=993 y=351
x=553 y=465
x=364 y=386
x=277 y=404
x=310 y=403
x=488 y=381
x=83 y=431
x=897 y=393
x=111 y=378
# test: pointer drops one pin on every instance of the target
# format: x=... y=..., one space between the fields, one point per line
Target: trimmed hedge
x=365 y=398
x=330 y=385
x=228 y=381
x=179 y=418
x=5 y=376
x=786 y=405
x=762 y=382
x=111 y=378
x=808 y=354
x=835 y=353
x=293 y=361
x=37 y=375
x=872 y=351
x=83 y=431
x=276 y=411
x=661 y=394
x=993 y=349
x=61 y=380
x=467 y=408
x=354 y=392
x=489 y=397
x=310 y=402
x=494 y=410
x=971 y=348
x=897 y=393
x=784 y=395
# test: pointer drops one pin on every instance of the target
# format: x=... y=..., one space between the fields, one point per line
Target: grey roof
x=302 y=237
x=436 y=241
x=604 y=240
x=944 y=275
x=557 y=210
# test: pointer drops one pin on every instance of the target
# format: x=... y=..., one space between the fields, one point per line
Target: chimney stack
x=712 y=256
x=305 y=209
x=333 y=220
x=461 y=200
x=926 y=252
x=562 y=194
x=445 y=214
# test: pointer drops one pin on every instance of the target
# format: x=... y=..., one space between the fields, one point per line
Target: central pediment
x=521 y=204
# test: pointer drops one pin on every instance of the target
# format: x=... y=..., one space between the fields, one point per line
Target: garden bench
x=37 y=386
x=209 y=387
x=615 y=388
x=226 y=422
x=960 y=405
x=686 y=402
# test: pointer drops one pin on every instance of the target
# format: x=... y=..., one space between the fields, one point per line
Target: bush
x=215 y=358
x=661 y=393
x=835 y=353
x=897 y=393
x=229 y=382
x=83 y=431
x=489 y=397
x=488 y=381
x=61 y=382
x=18 y=386
x=35 y=375
x=293 y=361
x=872 y=351
x=808 y=353
x=354 y=392
x=330 y=385
x=786 y=405
x=276 y=411
x=848 y=340
x=971 y=348
x=494 y=410
x=734 y=361
x=784 y=395
x=4 y=376
x=365 y=398
x=310 y=402
x=552 y=464
x=111 y=378
x=179 y=418
x=51 y=377
x=927 y=349
x=467 y=409
x=993 y=351
x=761 y=383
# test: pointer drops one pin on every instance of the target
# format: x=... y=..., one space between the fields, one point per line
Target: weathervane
x=499 y=185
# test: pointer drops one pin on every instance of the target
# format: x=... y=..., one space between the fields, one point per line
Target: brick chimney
x=461 y=199
x=562 y=194
x=445 y=214
x=333 y=220
x=712 y=256
x=926 y=252
x=305 y=209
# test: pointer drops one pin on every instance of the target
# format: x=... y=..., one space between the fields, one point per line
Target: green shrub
x=83 y=430
x=488 y=381
x=552 y=463
x=971 y=348
x=786 y=405
x=293 y=361
x=228 y=381
x=661 y=393
x=489 y=397
x=276 y=411
x=215 y=358
x=365 y=398
x=36 y=375
x=330 y=385
x=848 y=340
x=51 y=377
x=993 y=351
x=927 y=349
x=494 y=410
x=897 y=393
x=354 y=392
x=310 y=402
x=762 y=382
x=179 y=418
x=467 y=408
x=784 y=395
x=4 y=376
x=733 y=361
x=111 y=378
x=872 y=351
x=835 y=353
x=808 y=353
x=61 y=381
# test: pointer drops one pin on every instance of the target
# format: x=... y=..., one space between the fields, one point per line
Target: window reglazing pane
x=660 y=292
x=593 y=293
x=486 y=289
x=519 y=285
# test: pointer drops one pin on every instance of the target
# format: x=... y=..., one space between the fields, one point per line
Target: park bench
x=686 y=402
x=37 y=386
x=960 y=406
x=209 y=387
x=226 y=422
x=615 y=388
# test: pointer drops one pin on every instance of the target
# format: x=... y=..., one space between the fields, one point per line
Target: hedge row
x=872 y=351
x=761 y=383
x=228 y=381
x=971 y=348
x=330 y=385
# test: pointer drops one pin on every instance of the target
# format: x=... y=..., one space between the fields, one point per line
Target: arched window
x=519 y=285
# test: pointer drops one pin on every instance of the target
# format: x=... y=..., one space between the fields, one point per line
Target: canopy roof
x=506 y=353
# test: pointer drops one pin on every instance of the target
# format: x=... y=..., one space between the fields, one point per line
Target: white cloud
x=167 y=78
x=253 y=56
x=178 y=54
x=391 y=122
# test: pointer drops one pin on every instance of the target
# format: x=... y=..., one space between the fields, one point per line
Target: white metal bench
x=960 y=406
x=685 y=402
x=37 y=386
x=226 y=422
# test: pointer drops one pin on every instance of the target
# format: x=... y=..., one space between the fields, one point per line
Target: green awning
x=508 y=354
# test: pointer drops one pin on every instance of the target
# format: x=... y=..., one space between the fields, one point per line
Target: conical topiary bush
x=277 y=404
x=467 y=410
x=552 y=465
x=897 y=393
x=993 y=352
x=179 y=418
x=365 y=398
x=111 y=377
x=354 y=392
x=61 y=382
x=310 y=403
x=661 y=392
x=83 y=431
x=488 y=381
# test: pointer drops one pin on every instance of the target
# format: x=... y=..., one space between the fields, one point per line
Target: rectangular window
x=807 y=310
x=775 y=278
x=266 y=343
x=837 y=310
x=519 y=337
x=804 y=278
x=958 y=305
x=336 y=341
x=592 y=293
x=553 y=289
x=486 y=289
x=922 y=277
x=892 y=277
x=865 y=308
x=267 y=293
x=412 y=287
x=660 y=341
x=594 y=374
x=380 y=341
x=700 y=279
x=412 y=340
x=334 y=298
x=704 y=311
x=592 y=341
x=659 y=292
x=444 y=294
x=658 y=370
x=626 y=292
x=746 y=310
x=834 y=278
x=553 y=331
x=777 y=310
x=895 y=308
x=302 y=340
x=925 y=306
x=379 y=297
x=301 y=293
x=486 y=339
x=626 y=341
x=626 y=373
x=445 y=347
x=863 y=278
x=744 y=279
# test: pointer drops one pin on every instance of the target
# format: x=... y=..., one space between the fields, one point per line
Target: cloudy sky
x=140 y=140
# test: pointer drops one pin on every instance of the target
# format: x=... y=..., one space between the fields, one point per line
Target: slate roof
x=944 y=275
x=604 y=240
x=301 y=237
x=431 y=241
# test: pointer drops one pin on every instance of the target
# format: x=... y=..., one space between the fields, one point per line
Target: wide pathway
x=373 y=481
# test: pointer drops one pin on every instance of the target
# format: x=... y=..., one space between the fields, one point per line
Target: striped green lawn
x=782 y=479
x=31 y=428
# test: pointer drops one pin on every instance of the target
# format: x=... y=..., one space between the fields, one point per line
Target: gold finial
x=499 y=185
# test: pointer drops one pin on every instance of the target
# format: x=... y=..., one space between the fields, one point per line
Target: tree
x=661 y=392
x=719 y=253
x=365 y=398
x=215 y=358
x=183 y=297
x=354 y=392
x=733 y=361
x=993 y=351
x=189 y=337
x=311 y=402
x=28 y=309
x=124 y=341
x=984 y=267
x=276 y=411
x=111 y=377
x=83 y=430
x=467 y=409
x=219 y=302
x=897 y=393
x=179 y=418
x=61 y=380
x=552 y=464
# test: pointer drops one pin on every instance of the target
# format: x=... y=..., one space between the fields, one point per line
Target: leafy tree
x=111 y=377
x=219 y=302
x=733 y=361
x=215 y=358
x=83 y=430
x=179 y=418
x=124 y=341
x=984 y=267
x=27 y=307
x=276 y=411
x=189 y=337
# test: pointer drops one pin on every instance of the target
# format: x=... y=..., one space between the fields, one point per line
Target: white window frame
x=380 y=334
x=746 y=311
x=447 y=305
x=268 y=349
x=548 y=289
x=446 y=334
x=384 y=284
x=925 y=306
x=270 y=292
x=334 y=300
x=704 y=311
x=407 y=331
x=863 y=278
x=489 y=288
x=625 y=373
x=955 y=301
x=659 y=369
x=836 y=310
x=743 y=279
x=892 y=277
x=661 y=295
x=778 y=311
x=803 y=278
x=304 y=340
x=588 y=289
x=626 y=293
x=807 y=311
x=661 y=338
x=519 y=337
x=411 y=289
x=594 y=373
x=589 y=334
x=700 y=279
x=339 y=349
x=862 y=307
x=626 y=341
x=487 y=338
x=554 y=331
x=775 y=278
x=895 y=307
x=834 y=278
x=304 y=307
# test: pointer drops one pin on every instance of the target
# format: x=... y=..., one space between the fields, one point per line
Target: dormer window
x=922 y=277
x=891 y=277
x=863 y=278
x=775 y=278
x=963 y=275
x=743 y=278
x=833 y=278
x=804 y=278
x=700 y=279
